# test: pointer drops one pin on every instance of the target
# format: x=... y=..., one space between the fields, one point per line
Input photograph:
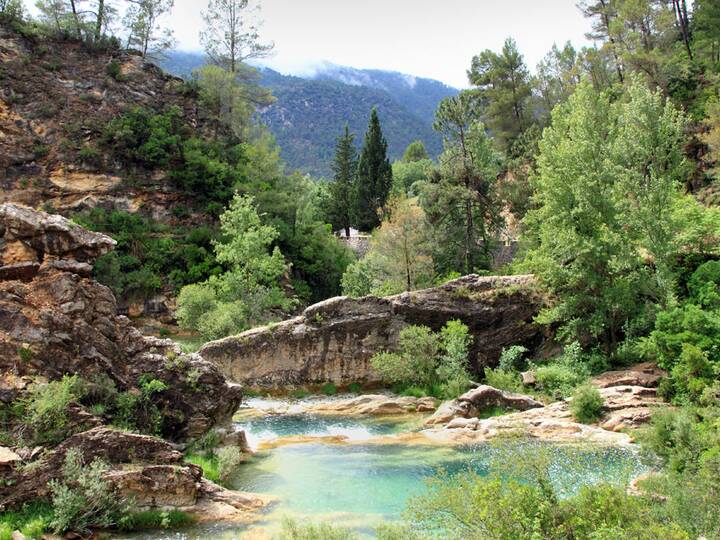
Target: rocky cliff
x=334 y=340
x=55 y=320
x=56 y=97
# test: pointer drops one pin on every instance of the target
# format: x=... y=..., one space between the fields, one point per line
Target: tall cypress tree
x=374 y=177
x=341 y=189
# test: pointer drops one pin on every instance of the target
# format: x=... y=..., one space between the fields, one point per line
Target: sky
x=427 y=38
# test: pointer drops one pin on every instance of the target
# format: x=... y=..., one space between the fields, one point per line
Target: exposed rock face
x=55 y=322
x=479 y=399
x=145 y=470
x=335 y=339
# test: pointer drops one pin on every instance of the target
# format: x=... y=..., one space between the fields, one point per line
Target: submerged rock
x=334 y=340
x=374 y=405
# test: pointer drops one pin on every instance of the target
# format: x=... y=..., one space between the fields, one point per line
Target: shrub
x=45 y=410
x=503 y=380
x=229 y=457
x=329 y=389
x=452 y=369
x=513 y=358
x=558 y=380
x=83 y=499
x=292 y=530
x=114 y=70
x=355 y=388
x=32 y=520
x=587 y=404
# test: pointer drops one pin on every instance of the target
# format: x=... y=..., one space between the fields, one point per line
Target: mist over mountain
x=311 y=110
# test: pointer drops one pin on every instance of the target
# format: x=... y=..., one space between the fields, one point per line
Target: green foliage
x=409 y=175
x=208 y=463
x=250 y=290
x=433 y=363
x=503 y=380
x=148 y=255
x=45 y=410
x=136 y=409
x=114 y=70
x=597 y=211
x=329 y=389
x=587 y=404
x=341 y=190
x=141 y=137
x=399 y=256
x=32 y=520
x=83 y=500
x=686 y=338
x=560 y=377
x=374 y=177
x=518 y=500
x=292 y=530
x=502 y=83
x=460 y=197
x=415 y=152
x=513 y=358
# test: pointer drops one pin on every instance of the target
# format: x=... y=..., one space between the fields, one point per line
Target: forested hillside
x=311 y=111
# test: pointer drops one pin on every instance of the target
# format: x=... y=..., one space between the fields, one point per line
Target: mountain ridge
x=312 y=110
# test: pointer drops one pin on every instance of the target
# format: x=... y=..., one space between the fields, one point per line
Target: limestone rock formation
x=145 y=470
x=479 y=399
x=373 y=405
x=56 y=321
x=625 y=407
x=334 y=340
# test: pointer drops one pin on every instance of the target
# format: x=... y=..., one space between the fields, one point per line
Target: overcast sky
x=429 y=38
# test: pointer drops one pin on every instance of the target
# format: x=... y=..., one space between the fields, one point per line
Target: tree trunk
x=100 y=20
x=680 y=7
x=76 y=18
x=606 y=22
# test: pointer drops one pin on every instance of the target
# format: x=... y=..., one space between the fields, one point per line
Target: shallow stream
x=363 y=482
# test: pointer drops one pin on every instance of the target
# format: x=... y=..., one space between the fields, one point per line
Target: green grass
x=32 y=520
x=208 y=463
x=157 y=519
x=329 y=389
x=355 y=388
x=300 y=393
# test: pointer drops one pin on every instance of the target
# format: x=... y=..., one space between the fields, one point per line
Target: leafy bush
x=329 y=389
x=428 y=363
x=560 y=377
x=32 y=520
x=228 y=457
x=503 y=380
x=249 y=292
x=114 y=70
x=45 y=409
x=513 y=358
x=83 y=500
x=587 y=404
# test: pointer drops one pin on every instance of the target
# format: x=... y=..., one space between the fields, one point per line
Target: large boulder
x=59 y=321
x=334 y=340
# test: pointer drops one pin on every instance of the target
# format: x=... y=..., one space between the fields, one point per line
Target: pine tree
x=374 y=177
x=341 y=189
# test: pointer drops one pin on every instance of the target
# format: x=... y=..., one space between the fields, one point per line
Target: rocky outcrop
x=145 y=470
x=479 y=399
x=625 y=407
x=56 y=321
x=373 y=405
x=334 y=340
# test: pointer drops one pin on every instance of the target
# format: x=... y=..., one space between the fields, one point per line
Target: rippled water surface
x=360 y=484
